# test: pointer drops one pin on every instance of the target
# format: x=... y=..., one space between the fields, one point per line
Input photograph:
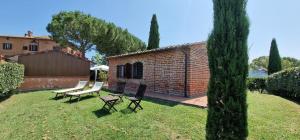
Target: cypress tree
x=274 y=59
x=228 y=63
x=153 y=41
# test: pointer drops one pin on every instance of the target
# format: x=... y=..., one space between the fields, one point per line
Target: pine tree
x=274 y=59
x=228 y=63
x=153 y=41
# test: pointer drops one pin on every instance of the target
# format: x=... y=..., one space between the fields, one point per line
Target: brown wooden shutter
x=128 y=71
x=118 y=71
x=139 y=70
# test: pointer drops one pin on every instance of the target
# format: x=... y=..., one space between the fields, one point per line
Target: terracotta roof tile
x=159 y=49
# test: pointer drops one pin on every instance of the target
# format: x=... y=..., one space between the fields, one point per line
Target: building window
x=120 y=71
x=138 y=70
x=7 y=46
x=33 y=47
x=128 y=70
x=25 y=48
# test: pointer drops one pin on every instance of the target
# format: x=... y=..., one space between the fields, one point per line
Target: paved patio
x=200 y=101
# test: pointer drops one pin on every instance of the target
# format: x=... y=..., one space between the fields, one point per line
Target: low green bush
x=11 y=76
x=256 y=84
x=285 y=83
x=103 y=76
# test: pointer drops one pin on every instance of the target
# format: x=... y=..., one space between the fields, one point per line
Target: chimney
x=29 y=34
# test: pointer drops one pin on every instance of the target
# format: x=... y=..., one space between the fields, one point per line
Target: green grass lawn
x=36 y=115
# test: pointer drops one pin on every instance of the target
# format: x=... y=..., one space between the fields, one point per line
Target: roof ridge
x=33 y=37
x=46 y=51
x=159 y=49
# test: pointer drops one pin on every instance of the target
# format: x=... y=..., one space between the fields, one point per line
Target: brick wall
x=132 y=84
x=38 y=83
x=164 y=71
x=198 y=71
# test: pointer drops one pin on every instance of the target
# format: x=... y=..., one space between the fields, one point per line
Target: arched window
x=128 y=70
x=120 y=71
x=33 y=46
x=138 y=70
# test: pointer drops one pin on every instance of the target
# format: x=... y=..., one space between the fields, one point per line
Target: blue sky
x=180 y=21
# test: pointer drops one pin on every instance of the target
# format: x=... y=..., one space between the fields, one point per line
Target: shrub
x=102 y=76
x=11 y=76
x=285 y=83
x=258 y=84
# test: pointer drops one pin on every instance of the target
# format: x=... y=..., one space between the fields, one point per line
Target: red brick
x=164 y=71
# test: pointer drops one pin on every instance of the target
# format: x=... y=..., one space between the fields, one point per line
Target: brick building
x=176 y=70
x=15 y=45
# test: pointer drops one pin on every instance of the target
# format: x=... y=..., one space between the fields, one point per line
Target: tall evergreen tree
x=274 y=59
x=153 y=41
x=228 y=63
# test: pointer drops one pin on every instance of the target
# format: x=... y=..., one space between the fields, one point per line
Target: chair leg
x=130 y=104
x=111 y=105
x=135 y=107
x=137 y=104
x=140 y=105
x=105 y=103
x=121 y=98
x=78 y=98
x=70 y=99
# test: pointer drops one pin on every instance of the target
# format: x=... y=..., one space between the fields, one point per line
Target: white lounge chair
x=95 y=89
x=79 y=86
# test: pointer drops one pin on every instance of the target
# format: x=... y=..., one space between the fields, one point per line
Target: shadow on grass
x=161 y=101
x=75 y=99
x=5 y=97
x=56 y=98
x=297 y=101
x=101 y=112
x=127 y=111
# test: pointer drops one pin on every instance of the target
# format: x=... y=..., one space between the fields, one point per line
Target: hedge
x=11 y=76
x=258 y=84
x=285 y=83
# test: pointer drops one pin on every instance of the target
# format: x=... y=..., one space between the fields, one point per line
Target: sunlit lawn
x=36 y=115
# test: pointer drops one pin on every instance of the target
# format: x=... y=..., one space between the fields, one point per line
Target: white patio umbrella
x=100 y=67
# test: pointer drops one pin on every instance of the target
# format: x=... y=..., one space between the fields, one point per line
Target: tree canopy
x=84 y=31
x=260 y=63
x=289 y=62
x=263 y=62
x=228 y=64
x=74 y=28
x=274 y=59
x=153 y=41
x=99 y=59
x=113 y=40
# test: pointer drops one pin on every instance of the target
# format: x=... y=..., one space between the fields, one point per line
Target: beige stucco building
x=15 y=45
